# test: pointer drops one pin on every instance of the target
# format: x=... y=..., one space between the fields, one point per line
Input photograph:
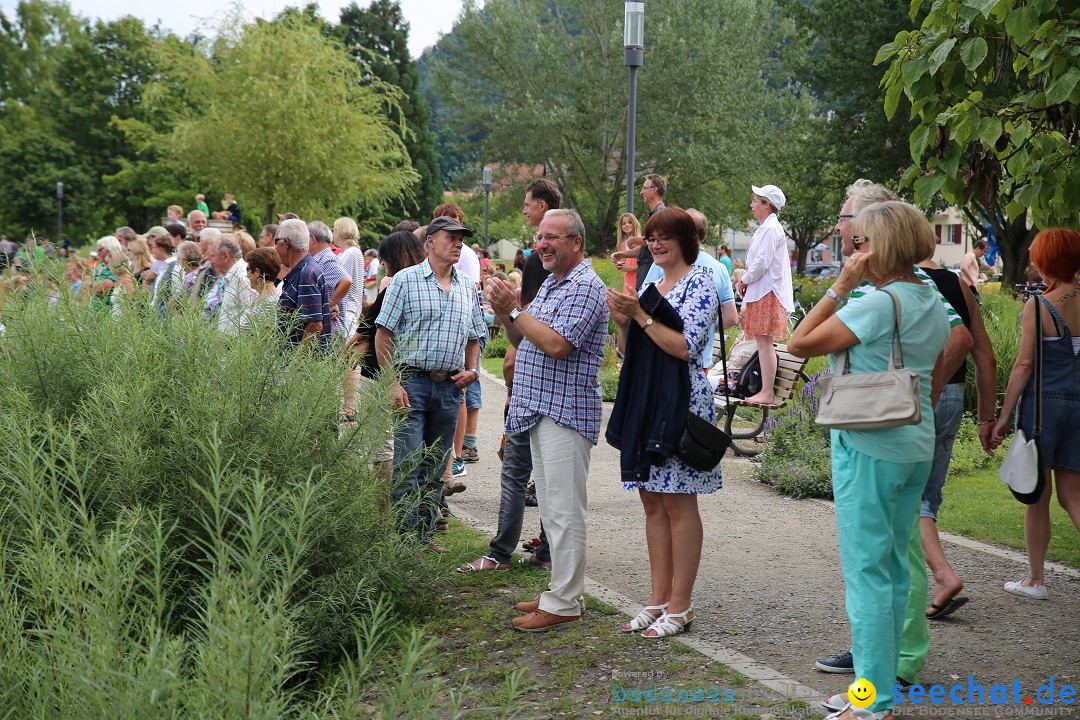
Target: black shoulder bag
x=703 y=444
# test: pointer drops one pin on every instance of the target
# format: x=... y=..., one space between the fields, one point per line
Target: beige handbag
x=872 y=401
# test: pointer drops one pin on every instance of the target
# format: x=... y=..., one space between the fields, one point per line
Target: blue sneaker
x=458 y=468
x=839 y=664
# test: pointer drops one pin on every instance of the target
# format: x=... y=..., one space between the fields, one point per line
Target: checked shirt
x=567 y=391
x=430 y=327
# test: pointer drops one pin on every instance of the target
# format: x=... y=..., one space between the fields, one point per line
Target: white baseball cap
x=771 y=193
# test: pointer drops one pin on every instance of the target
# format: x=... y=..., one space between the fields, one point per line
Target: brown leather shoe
x=541 y=621
x=437 y=549
x=530 y=606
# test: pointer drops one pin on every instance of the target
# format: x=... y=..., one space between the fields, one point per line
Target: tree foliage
x=63 y=83
x=378 y=37
x=995 y=90
x=281 y=113
x=832 y=55
x=544 y=83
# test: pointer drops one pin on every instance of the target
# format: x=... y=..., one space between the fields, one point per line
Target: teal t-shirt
x=924 y=329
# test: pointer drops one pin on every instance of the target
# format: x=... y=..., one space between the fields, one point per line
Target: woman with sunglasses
x=879 y=474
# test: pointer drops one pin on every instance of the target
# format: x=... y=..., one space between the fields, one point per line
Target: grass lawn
x=576 y=671
x=978 y=506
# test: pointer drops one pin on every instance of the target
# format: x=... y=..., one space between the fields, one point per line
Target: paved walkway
x=770 y=586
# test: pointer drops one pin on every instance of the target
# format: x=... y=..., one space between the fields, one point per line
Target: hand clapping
x=622 y=304
x=502 y=296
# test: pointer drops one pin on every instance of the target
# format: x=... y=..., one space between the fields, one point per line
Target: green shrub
x=186 y=531
x=810 y=290
x=797 y=459
x=496 y=346
x=968 y=456
x=1000 y=315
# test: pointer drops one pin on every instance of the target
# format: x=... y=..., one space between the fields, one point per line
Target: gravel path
x=770 y=585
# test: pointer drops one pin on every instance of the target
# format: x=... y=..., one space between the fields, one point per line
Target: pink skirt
x=765 y=317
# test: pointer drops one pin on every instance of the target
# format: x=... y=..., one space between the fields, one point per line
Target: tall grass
x=185 y=532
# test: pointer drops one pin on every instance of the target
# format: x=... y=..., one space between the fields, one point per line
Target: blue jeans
x=947 y=416
x=516 y=471
x=422 y=446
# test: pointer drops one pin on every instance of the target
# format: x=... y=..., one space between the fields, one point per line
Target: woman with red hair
x=1056 y=255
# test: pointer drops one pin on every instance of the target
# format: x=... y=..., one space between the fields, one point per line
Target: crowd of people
x=424 y=304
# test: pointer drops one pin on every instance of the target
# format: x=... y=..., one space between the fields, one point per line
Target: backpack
x=749 y=380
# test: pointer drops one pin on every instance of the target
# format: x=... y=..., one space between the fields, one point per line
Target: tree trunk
x=1014 y=240
x=269 y=213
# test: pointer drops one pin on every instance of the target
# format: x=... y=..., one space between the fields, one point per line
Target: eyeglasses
x=658 y=240
x=549 y=237
x=648 y=187
x=857 y=240
x=842 y=218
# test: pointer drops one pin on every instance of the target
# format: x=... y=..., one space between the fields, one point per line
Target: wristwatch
x=832 y=293
x=648 y=322
x=474 y=371
x=514 y=314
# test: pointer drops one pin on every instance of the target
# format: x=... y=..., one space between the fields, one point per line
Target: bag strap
x=723 y=357
x=1038 y=368
x=896 y=358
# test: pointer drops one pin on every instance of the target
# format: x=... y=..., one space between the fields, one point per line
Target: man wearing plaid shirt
x=429 y=328
x=560 y=341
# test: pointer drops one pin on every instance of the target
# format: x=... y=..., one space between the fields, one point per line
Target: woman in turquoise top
x=879 y=475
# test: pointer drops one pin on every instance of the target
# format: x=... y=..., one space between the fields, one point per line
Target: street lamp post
x=59 y=212
x=487 y=205
x=633 y=58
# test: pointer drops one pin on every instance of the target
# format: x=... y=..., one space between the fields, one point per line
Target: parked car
x=822 y=270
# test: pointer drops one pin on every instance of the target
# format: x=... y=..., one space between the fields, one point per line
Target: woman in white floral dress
x=669 y=494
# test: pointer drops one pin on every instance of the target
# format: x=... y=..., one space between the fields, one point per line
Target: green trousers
x=915 y=640
x=877 y=504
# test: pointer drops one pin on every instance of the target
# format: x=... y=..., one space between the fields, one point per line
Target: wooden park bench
x=789 y=371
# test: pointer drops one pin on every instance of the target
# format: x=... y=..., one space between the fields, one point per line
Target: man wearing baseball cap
x=429 y=330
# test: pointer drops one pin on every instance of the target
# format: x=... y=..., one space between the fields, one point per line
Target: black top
x=948 y=284
x=653 y=400
x=644 y=256
x=369 y=364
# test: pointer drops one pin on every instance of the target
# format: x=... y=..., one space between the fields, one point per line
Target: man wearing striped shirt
x=338 y=282
x=429 y=329
x=304 y=309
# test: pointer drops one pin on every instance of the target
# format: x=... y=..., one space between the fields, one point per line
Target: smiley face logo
x=861 y=693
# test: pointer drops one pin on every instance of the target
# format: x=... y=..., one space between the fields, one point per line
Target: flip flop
x=951 y=605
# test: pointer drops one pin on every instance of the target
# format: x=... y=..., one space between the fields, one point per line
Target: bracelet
x=985 y=422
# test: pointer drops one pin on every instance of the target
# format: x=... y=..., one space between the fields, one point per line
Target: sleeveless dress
x=694 y=298
x=1060 y=441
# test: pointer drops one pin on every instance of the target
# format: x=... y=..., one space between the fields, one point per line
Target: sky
x=427 y=18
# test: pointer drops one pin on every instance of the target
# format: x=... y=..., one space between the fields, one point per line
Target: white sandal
x=860 y=713
x=644 y=619
x=667 y=626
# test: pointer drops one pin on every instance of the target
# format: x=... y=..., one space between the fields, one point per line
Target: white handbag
x=1021 y=469
x=872 y=401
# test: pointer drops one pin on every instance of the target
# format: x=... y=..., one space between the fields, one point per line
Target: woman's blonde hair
x=637 y=226
x=112 y=246
x=139 y=253
x=245 y=241
x=899 y=236
x=346 y=230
